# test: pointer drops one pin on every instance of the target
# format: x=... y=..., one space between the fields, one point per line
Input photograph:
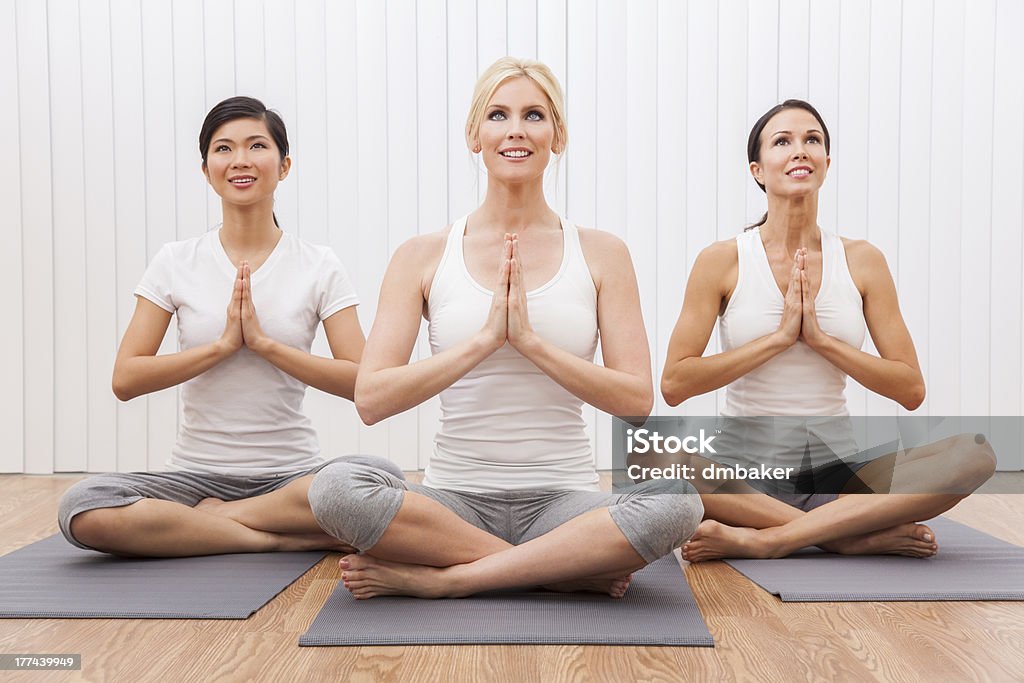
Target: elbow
x=672 y=392
x=122 y=389
x=367 y=404
x=641 y=406
x=915 y=396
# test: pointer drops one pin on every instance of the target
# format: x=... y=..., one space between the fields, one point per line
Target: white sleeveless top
x=798 y=381
x=506 y=425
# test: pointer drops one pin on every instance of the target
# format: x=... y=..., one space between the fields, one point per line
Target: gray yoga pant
x=356 y=503
x=188 y=488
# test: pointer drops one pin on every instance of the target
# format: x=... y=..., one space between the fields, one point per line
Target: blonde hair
x=514 y=67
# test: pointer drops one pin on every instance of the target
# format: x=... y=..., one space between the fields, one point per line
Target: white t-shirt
x=244 y=415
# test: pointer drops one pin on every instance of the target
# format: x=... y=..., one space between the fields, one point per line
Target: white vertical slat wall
x=105 y=100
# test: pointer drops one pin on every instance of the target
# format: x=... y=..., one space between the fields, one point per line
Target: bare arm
x=387 y=383
x=335 y=375
x=896 y=374
x=687 y=371
x=138 y=370
x=622 y=386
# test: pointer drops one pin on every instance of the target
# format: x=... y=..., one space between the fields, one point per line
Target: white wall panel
x=160 y=197
x=975 y=221
x=701 y=149
x=250 y=37
x=37 y=235
x=670 y=182
x=914 y=160
x=129 y=206
x=402 y=213
x=1007 y=203
x=850 y=150
x=342 y=137
x=12 y=346
x=580 y=158
x=100 y=245
x=642 y=160
x=523 y=27
x=923 y=99
x=432 y=149
x=70 y=355
x=883 y=171
x=371 y=99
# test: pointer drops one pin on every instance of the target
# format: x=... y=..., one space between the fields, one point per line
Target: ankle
x=774 y=543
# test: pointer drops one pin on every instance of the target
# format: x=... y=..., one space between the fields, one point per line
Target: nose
x=515 y=130
x=240 y=159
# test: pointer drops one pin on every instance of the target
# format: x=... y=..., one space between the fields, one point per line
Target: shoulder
x=606 y=255
x=719 y=254
x=184 y=249
x=863 y=257
x=422 y=249
x=603 y=249
x=417 y=259
x=866 y=262
x=862 y=252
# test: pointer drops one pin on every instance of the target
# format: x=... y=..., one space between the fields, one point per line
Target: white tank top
x=798 y=381
x=506 y=425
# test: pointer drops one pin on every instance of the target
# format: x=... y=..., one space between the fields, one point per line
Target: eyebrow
x=788 y=132
x=251 y=137
x=529 y=106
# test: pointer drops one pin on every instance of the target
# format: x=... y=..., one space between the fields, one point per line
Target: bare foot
x=209 y=504
x=367 y=577
x=714 y=540
x=613 y=587
x=912 y=540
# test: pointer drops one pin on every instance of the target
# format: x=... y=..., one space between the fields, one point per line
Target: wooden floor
x=757 y=637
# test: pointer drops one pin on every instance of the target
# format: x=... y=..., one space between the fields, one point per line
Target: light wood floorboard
x=758 y=638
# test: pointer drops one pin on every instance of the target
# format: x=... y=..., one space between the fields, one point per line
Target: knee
x=684 y=510
x=976 y=462
x=84 y=528
x=97 y=529
x=671 y=514
x=376 y=463
x=343 y=493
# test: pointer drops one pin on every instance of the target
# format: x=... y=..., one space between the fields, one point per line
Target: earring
x=476 y=148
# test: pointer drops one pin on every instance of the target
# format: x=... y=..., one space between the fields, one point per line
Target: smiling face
x=517 y=133
x=793 y=160
x=243 y=165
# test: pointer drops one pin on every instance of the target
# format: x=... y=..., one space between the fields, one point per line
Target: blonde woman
x=516 y=299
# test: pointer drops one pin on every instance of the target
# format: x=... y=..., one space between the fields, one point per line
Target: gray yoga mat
x=658 y=609
x=970 y=565
x=52 y=578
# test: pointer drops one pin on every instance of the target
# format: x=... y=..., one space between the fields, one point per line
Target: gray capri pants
x=356 y=503
x=188 y=488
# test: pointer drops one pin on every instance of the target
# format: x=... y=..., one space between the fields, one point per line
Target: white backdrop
x=105 y=99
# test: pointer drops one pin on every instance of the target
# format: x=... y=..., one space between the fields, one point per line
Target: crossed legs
x=917 y=485
x=415 y=544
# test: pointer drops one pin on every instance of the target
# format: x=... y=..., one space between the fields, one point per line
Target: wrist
x=780 y=341
x=527 y=344
x=487 y=343
x=262 y=346
x=222 y=348
x=819 y=341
